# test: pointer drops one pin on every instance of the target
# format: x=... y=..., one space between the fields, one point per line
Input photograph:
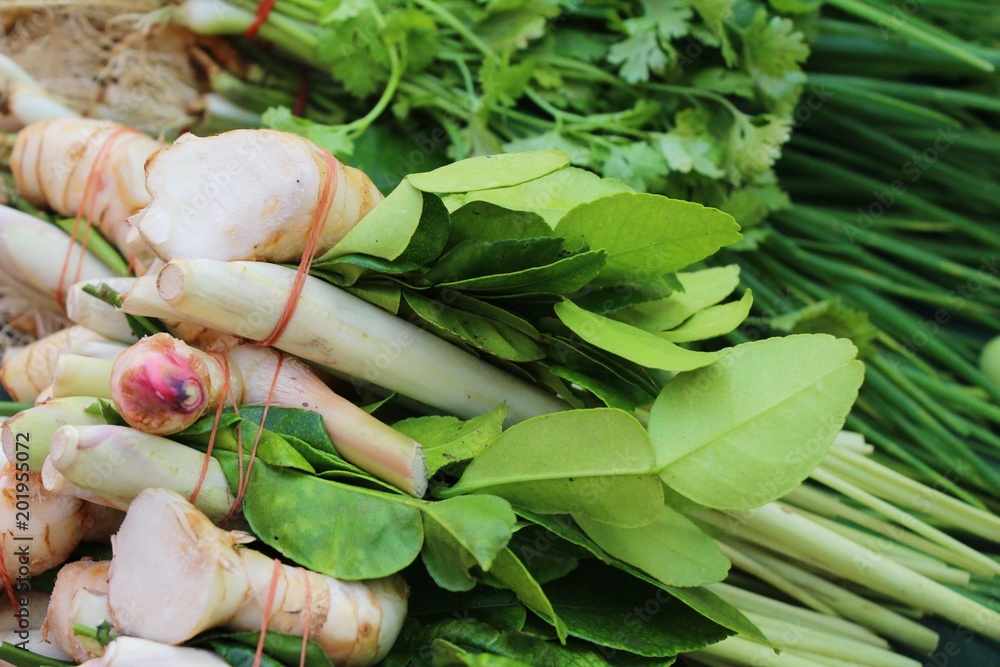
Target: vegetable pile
x=592 y=425
x=513 y=412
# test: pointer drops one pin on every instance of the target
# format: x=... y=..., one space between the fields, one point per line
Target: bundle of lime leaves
x=583 y=537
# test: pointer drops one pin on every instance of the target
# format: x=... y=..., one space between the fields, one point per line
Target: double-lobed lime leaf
x=750 y=428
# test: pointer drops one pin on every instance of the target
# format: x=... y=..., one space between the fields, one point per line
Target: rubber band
x=302 y=96
x=307 y=631
x=90 y=188
x=263 y=11
x=226 y=389
x=309 y=254
x=7 y=584
x=268 y=605
x=245 y=479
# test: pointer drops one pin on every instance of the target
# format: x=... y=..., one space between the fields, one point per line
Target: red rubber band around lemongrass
x=90 y=188
x=263 y=11
x=312 y=245
x=268 y=606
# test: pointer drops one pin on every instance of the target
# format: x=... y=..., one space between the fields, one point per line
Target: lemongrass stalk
x=748 y=601
x=849 y=440
x=135 y=652
x=54 y=482
x=33 y=253
x=824 y=504
x=29 y=370
x=931 y=568
x=974 y=560
x=739 y=651
x=79 y=597
x=26 y=99
x=826 y=660
x=900 y=489
x=119 y=463
x=743 y=560
x=217 y=17
x=77 y=375
x=26 y=435
x=213 y=583
x=820 y=547
x=335 y=329
x=161 y=385
x=216 y=115
x=844 y=603
x=790 y=635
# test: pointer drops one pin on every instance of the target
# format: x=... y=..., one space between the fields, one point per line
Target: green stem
x=11 y=408
x=98 y=246
x=915 y=32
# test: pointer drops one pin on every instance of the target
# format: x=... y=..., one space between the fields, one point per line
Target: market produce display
x=506 y=334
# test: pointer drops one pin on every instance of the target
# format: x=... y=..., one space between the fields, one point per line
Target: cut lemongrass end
x=77 y=375
x=97 y=315
x=335 y=329
x=118 y=463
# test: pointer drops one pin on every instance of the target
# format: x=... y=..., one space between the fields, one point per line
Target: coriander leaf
x=334 y=138
x=672 y=548
x=638 y=56
x=638 y=164
x=593 y=462
x=647 y=236
x=632 y=343
x=749 y=429
x=579 y=152
x=449 y=440
x=463 y=532
x=489 y=171
x=773 y=46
